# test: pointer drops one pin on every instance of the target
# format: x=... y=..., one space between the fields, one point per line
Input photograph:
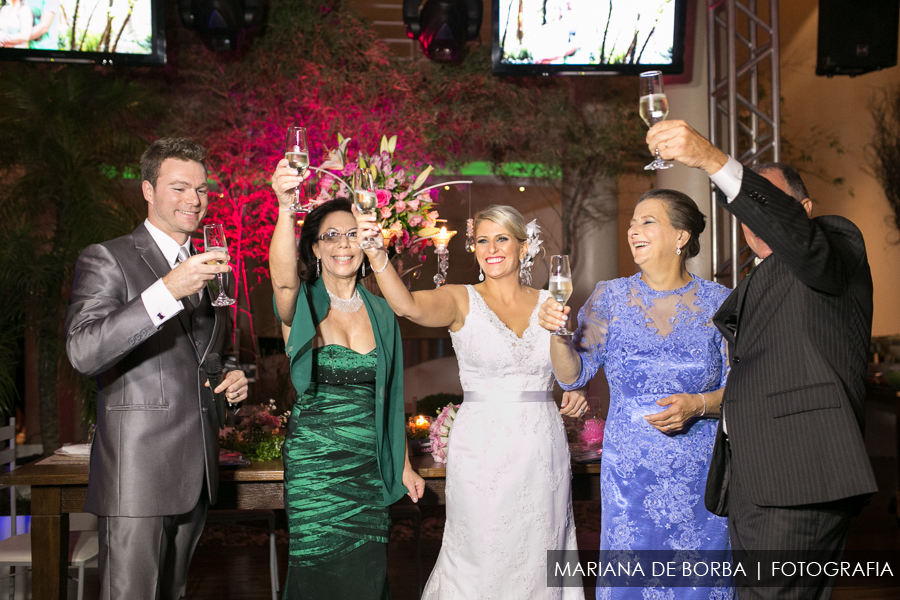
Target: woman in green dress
x=345 y=458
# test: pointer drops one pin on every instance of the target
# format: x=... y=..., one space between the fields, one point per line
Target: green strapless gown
x=332 y=488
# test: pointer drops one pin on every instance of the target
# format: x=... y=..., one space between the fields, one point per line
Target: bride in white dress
x=509 y=497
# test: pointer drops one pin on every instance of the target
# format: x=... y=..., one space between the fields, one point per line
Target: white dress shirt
x=159 y=302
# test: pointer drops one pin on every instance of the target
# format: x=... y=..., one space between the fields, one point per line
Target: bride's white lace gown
x=509 y=496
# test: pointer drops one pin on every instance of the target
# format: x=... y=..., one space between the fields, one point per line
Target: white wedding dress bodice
x=508 y=490
x=492 y=358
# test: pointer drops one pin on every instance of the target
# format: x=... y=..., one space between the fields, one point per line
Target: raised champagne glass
x=214 y=241
x=296 y=152
x=366 y=203
x=654 y=108
x=560 y=284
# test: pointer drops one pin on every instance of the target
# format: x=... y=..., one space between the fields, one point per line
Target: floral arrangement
x=418 y=427
x=440 y=432
x=592 y=433
x=407 y=216
x=257 y=436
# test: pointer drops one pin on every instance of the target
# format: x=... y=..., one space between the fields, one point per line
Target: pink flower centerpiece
x=407 y=215
x=440 y=432
x=592 y=433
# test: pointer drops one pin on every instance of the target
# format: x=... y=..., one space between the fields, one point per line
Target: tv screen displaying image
x=96 y=31
x=546 y=37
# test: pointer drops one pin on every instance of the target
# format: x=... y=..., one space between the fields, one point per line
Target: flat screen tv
x=583 y=37
x=108 y=32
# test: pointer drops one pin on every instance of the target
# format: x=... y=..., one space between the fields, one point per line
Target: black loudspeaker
x=857 y=36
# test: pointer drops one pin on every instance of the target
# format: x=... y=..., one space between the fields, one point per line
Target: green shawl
x=390 y=432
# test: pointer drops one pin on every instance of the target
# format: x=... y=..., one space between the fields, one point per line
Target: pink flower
x=593 y=431
x=400 y=206
x=426 y=195
x=349 y=169
x=386 y=212
x=413 y=204
x=390 y=184
x=384 y=197
x=416 y=221
x=440 y=431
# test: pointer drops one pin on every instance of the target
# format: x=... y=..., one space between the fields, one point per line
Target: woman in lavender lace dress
x=666 y=365
x=508 y=490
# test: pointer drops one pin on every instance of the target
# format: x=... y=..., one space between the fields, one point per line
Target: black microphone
x=215 y=374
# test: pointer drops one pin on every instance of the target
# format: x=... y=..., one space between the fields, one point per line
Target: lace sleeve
x=590 y=338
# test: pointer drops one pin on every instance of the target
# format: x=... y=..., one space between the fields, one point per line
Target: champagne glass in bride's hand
x=654 y=108
x=297 y=154
x=366 y=203
x=560 y=284
x=214 y=241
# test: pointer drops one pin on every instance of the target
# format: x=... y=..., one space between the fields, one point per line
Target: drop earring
x=480 y=274
x=318 y=268
x=364 y=269
x=678 y=251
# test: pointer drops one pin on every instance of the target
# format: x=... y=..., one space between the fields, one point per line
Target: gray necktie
x=183 y=255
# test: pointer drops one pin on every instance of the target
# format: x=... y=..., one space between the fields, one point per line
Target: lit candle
x=442 y=238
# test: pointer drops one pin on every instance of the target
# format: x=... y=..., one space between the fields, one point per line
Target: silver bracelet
x=704 y=405
x=381 y=270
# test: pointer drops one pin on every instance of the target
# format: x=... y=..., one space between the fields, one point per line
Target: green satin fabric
x=390 y=435
x=333 y=487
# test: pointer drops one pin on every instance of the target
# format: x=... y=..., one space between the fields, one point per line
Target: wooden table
x=57 y=490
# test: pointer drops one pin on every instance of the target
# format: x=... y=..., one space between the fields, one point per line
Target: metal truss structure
x=744 y=108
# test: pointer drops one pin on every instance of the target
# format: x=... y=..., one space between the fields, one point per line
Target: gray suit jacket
x=156 y=426
x=798 y=328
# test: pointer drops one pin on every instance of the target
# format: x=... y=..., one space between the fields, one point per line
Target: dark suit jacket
x=156 y=422
x=798 y=328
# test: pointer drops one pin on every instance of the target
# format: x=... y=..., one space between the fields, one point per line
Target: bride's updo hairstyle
x=506 y=217
x=684 y=215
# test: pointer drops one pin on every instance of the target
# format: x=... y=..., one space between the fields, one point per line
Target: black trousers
x=816 y=532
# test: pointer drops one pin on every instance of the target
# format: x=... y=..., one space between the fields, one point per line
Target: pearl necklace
x=346 y=306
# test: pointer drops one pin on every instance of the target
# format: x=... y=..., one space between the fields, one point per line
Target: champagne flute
x=654 y=108
x=296 y=152
x=366 y=203
x=214 y=241
x=560 y=284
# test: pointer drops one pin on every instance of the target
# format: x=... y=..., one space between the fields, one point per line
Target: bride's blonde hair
x=506 y=217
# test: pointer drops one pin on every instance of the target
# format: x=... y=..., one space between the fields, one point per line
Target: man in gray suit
x=142 y=323
x=789 y=467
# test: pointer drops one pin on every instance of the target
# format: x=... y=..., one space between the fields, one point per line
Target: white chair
x=15 y=551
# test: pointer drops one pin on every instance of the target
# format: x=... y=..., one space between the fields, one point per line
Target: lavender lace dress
x=652 y=345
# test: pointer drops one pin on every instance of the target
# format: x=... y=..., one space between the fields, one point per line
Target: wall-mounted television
x=584 y=37
x=109 y=32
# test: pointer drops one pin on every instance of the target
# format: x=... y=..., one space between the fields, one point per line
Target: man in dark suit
x=789 y=467
x=141 y=321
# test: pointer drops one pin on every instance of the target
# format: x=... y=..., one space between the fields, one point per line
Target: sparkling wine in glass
x=654 y=108
x=366 y=203
x=296 y=152
x=560 y=283
x=214 y=241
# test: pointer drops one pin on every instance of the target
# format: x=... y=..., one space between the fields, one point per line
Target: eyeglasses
x=333 y=237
